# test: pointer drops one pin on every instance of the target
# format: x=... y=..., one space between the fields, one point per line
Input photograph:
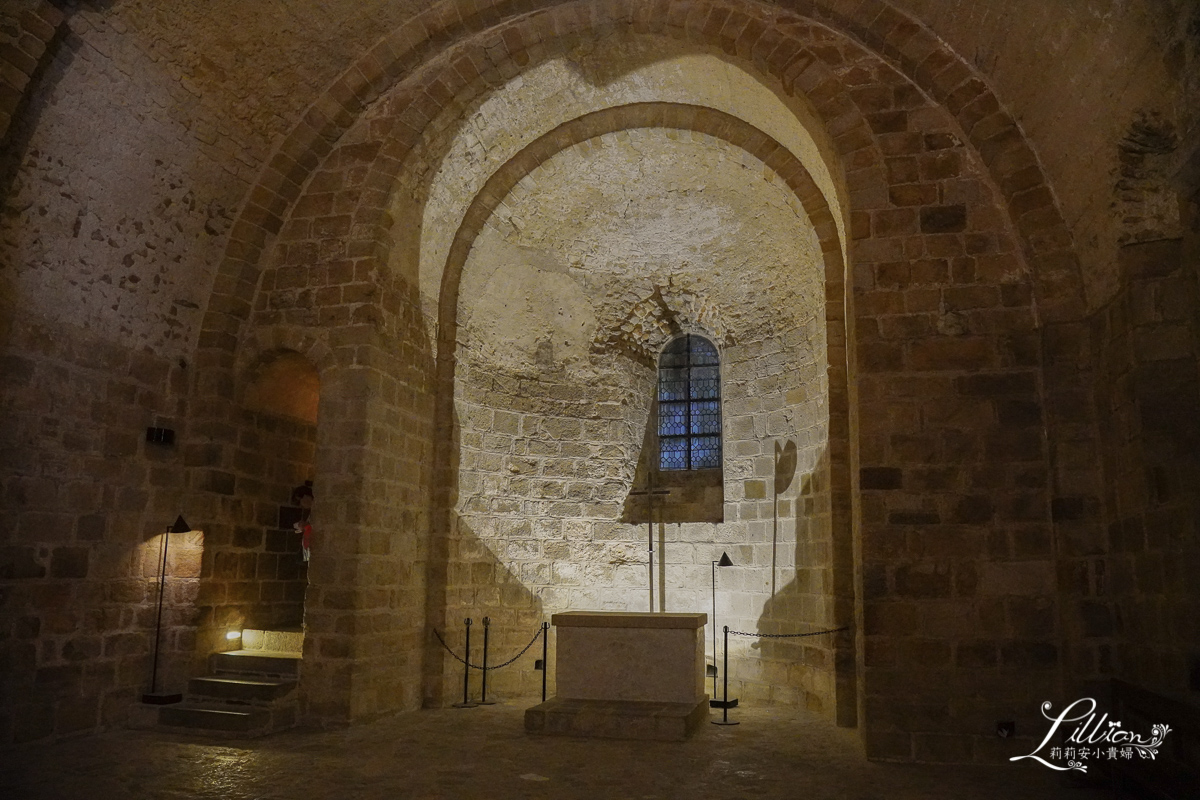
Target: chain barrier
x=524 y=650
x=788 y=635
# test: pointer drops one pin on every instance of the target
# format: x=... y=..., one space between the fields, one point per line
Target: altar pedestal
x=625 y=675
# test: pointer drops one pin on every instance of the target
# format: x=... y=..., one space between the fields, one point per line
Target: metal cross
x=650 y=493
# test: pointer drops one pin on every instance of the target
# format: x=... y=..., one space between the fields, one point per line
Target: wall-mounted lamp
x=164 y=436
x=233 y=635
x=724 y=561
x=154 y=696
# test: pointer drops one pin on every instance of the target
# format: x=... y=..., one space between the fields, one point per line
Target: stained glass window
x=689 y=405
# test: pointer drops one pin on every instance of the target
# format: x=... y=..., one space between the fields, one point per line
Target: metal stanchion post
x=483 y=701
x=726 y=703
x=466 y=701
x=545 y=650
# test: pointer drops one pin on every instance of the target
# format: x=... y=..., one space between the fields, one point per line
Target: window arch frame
x=695 y=390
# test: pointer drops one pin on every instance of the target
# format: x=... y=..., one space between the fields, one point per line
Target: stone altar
x=625 y=675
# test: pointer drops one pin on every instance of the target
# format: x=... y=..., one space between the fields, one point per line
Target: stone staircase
x=249 y=692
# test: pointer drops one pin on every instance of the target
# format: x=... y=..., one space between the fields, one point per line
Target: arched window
x=689 y=405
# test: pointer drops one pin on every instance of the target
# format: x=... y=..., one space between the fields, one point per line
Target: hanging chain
x=524 y=650
x=788 y=635
x=448 y=650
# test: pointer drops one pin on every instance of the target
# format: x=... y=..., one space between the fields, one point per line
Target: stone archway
x=948 y=211
x=794 y=176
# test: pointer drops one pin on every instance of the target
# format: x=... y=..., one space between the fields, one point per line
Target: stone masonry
x=947 y=252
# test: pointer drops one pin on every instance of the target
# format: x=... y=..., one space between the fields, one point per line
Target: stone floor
x=483 y=753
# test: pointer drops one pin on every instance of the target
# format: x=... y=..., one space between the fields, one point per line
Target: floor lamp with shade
x=154 y=696
x=723 y=561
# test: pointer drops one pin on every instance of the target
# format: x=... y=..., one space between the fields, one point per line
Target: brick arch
x=699 y=119
x=401 y=150
x=269 y=339
x=740 y=134
x=678 y=116
x=37 y=29
x=771 y=47
x=910 y=46
x=808 y=72
x=397 y=136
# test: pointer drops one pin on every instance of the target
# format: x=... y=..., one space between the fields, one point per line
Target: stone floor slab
x=484 y=753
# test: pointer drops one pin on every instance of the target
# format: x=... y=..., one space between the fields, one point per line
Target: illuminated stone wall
x=680 y=232
x=987 y=379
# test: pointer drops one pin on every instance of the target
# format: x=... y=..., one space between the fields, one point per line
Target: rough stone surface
x=484 y=752
x=947 y=249
x=554 y=421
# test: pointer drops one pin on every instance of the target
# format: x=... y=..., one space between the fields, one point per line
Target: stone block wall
x=324 y=293
x=1141 y=613
x=365 y=606
x=986 y=568
x=555 y=384
x=540 y=529
x=84 y=501
x=254 y=576
x=26 y=31
x=960 y=617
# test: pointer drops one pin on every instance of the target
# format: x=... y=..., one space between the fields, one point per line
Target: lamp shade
x=180 y=526
x=724 y=562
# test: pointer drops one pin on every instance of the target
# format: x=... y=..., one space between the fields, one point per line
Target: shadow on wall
x=694 y=495
x=479 y=586
x=54 y=64
x=464 y=580
x=785 y=472
x=801 y=670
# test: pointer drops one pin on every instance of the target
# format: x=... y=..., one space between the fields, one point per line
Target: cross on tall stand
x=650 y=493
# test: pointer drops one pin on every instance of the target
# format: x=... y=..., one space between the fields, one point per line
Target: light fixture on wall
x=154 y=696
x=723 y=561
x=163 y=436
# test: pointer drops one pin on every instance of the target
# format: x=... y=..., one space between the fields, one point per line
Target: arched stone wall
x=796 y=178
x=914 y=49
x=112 y=242
x=939 y=288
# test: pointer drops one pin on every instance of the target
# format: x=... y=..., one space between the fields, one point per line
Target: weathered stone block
x=923 y=580
x=943 y=748
x=951 y=353
x=880 y=478
x=944 y=219
x=1150 y=259
x=1029 y=655
x=69 y=562
x=17 y=563
x=973 y=509
x=914 y=194
x=997 y=384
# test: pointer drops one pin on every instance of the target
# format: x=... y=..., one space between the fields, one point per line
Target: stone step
x=256 y=662
x=204 y=719
x=280 y=641
x=244 y=690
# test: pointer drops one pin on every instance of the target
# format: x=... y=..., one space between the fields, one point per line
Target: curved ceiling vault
x=676 y=116
x=439 y=61
x=579 y=94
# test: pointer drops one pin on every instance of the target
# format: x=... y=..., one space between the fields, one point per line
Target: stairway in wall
x=249 y=692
